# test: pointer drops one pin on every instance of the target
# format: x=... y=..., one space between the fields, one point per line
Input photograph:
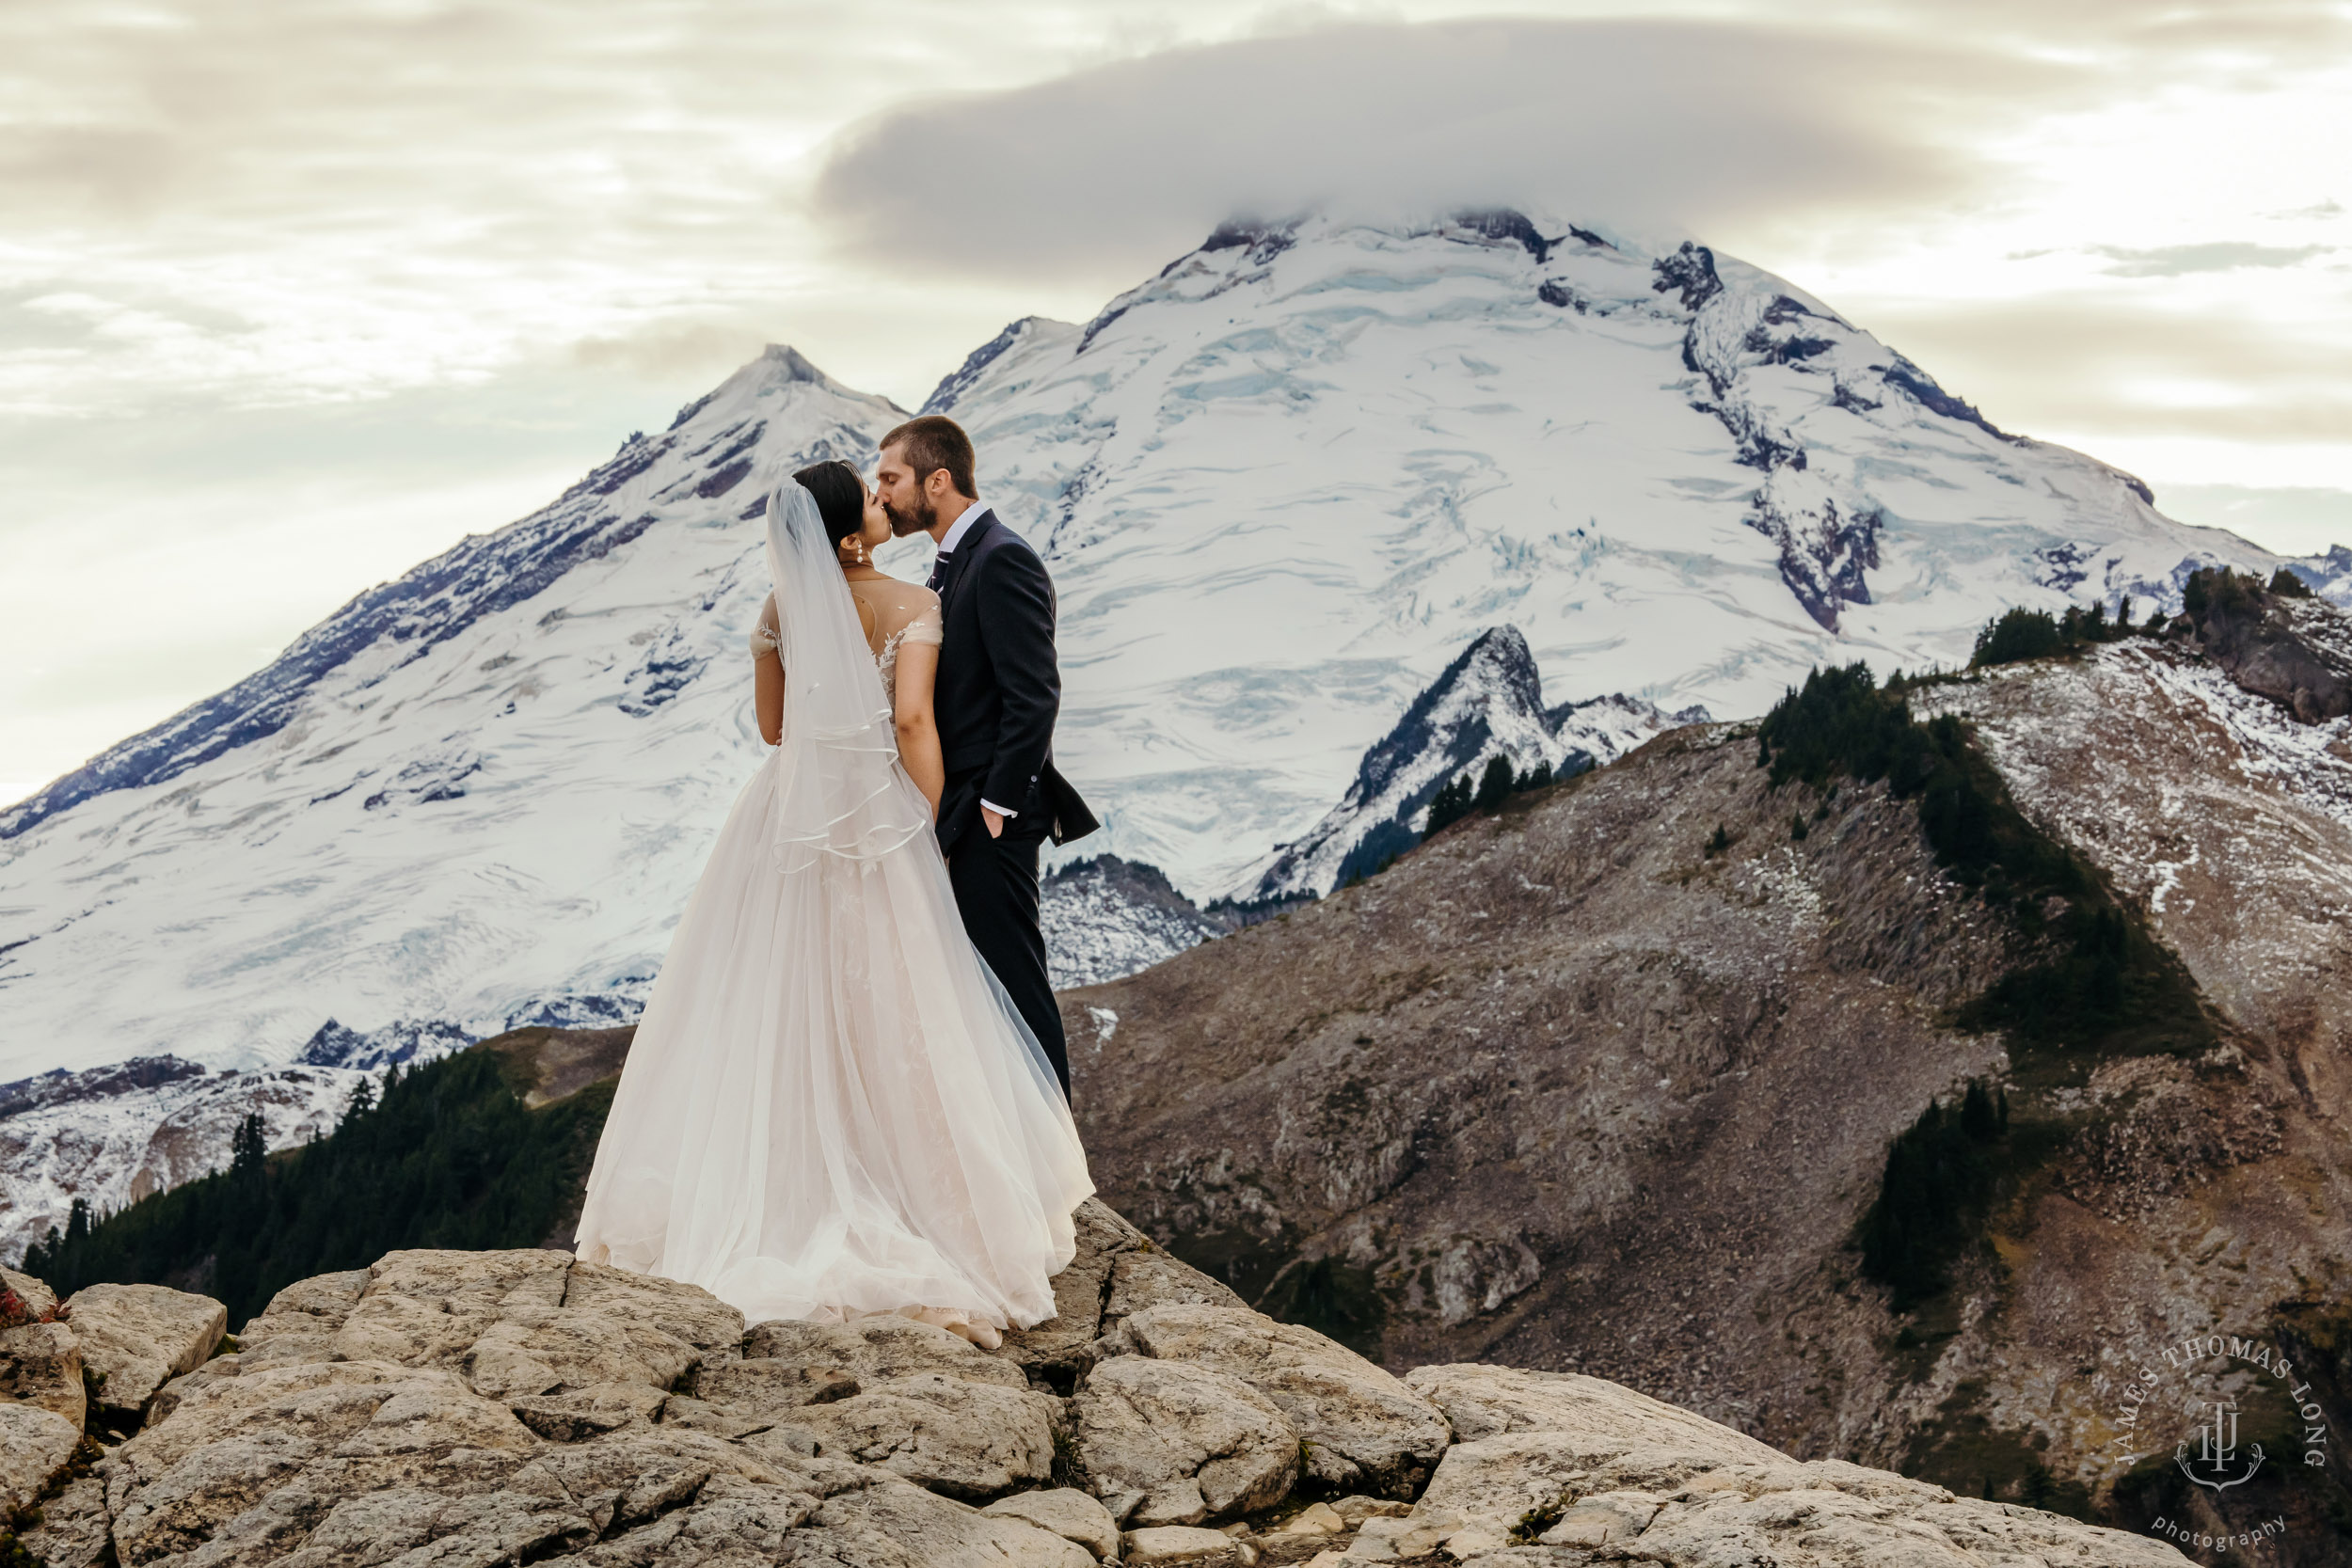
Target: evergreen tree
x=2285 y=584
x=1535 y=777
x=1494 y=785
x=2018 y=634
x=1717 y=844
x=1452 y=805
x=448 y=1156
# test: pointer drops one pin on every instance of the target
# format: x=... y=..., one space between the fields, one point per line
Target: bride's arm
x=768 y=698
x=767 y=676
x=918 y=735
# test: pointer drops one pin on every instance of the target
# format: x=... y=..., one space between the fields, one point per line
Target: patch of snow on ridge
x=1285 y=480
x=114 y=1134
x=1105 y=918
x=480 y=795
x=1488 y=702
x=1282 y=486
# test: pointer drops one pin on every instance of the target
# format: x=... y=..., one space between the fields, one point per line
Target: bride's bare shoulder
x=894 y=604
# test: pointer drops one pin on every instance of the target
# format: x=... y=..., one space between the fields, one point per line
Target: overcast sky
x=294 y=294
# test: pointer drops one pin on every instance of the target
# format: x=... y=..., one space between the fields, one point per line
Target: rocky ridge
x=1489 y=703
x=1662 y=1021
x=444 y=1407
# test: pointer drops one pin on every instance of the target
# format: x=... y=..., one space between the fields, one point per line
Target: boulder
x=1197 y=1442
x=300 y=1323
x=1315 y=1519
x=1386 y=1540
x=137 y=1337
x=1616 y=1493
x=35 y=1299
x=769 y=1388
x=1486 y=1402
x=1053 y=1346
x=875 y=1350
x=1066 y=1511
x=1174 y=1544
x=896 y=1524
x=74 y=1529
x=969 y=1440
x=41 y=1364
x=579 y=1414
x=1152 y=1277
x=518 y=1324
x=35 y=1445
x=1364 y=1430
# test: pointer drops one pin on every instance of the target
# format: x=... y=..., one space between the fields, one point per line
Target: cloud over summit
x=1643 y=124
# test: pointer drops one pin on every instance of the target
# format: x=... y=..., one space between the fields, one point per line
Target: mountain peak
x=781 y=365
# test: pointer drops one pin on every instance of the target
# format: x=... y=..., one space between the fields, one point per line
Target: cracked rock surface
x=501 y=1408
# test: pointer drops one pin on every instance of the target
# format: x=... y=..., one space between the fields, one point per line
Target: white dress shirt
x=956 y=530
x=961 y=526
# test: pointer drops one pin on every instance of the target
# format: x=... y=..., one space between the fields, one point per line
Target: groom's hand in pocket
x=995 y=822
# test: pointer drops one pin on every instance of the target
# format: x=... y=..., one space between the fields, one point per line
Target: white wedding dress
x=831 y=1107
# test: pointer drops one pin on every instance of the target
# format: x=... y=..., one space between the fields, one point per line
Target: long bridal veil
x=831 y=1106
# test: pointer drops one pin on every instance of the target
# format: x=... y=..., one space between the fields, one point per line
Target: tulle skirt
x=832 y=1108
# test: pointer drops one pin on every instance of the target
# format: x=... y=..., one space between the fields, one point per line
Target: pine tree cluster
x=447 y=1157
x=2100 y=979
x=2022 y=634
x=1499 y=783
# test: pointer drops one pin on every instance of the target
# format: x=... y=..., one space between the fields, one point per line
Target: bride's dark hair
x=840 y=498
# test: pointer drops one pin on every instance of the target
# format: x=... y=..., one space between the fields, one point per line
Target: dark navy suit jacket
x=999 y=688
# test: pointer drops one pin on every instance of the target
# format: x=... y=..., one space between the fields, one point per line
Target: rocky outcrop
x=1660 y=1023
x=514 y=1407
x=134 y=1338
x=1488 y=702
x=2290 y=648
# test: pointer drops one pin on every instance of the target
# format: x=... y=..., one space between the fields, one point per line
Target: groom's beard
x=915 y=520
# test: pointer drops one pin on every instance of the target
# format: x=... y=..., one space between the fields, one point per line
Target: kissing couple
x=848 y=1093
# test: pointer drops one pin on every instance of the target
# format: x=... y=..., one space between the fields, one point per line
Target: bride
x=831 y=1107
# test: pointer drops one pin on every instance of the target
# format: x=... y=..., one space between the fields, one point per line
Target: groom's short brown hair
x=935 y=442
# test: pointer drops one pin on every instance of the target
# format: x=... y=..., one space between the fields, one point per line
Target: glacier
x=1282 y=486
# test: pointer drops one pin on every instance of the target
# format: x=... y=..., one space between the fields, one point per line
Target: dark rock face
x=1689 y=270
x=960 y=380
x=1565 y=1090
x=102 y=1083
x=1823 y=554
x=1923 y=390
x=1506 y=224
x=338 y=1045
x=2296 y=650
x=1105 y=917
x=1488 y=699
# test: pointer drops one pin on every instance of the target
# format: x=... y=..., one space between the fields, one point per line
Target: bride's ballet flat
x=832 y=1108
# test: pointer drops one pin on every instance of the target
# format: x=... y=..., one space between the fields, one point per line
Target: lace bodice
x=906 y=615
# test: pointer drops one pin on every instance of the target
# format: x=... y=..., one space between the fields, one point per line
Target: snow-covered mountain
x=1489 y=702
x=1286 y=481
x=1282 y=486
x=110 y=1135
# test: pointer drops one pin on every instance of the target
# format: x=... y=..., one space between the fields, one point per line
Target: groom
x=997 y=691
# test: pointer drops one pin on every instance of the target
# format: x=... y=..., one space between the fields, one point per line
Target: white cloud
x=1637 y=125
x=335 y=283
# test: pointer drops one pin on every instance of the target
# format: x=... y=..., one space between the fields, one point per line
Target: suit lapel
x=961 y=562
